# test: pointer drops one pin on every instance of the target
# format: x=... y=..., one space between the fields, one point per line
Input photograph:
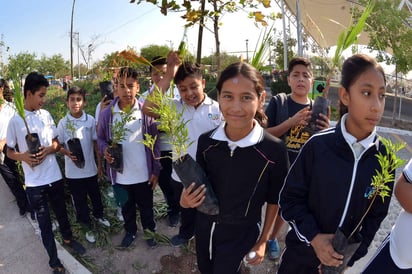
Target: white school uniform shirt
x=40 y=122
x=205 y=117
x=134 y=154
x=86 y=131
x=401 y=236
x=6 y=113
x=97 y=112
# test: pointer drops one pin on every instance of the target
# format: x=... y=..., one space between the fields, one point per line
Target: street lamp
x=247 y=51
x=89 y=55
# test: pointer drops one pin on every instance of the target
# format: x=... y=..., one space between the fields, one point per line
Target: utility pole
x=247 y=51
x=71 y=42
x=78 y=53
x=1 y=54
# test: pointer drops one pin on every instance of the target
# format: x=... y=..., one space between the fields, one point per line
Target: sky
x=43 y=27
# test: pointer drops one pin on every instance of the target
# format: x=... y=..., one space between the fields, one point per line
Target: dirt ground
x=162 y=259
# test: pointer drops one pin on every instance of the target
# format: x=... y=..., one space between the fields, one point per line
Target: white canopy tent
x=323 y=20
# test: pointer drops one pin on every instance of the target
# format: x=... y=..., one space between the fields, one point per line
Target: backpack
x=282 y=112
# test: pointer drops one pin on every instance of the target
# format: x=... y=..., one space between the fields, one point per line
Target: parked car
x=56 y=83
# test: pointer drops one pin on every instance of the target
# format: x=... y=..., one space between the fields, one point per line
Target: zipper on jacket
x=345 y=210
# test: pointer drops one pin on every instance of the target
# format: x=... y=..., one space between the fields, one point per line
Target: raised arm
x=173 y=62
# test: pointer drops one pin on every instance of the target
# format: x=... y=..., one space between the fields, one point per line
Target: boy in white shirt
x=200 y=114
x=44 y=182
x=8 y=168
x=140 y=167
x=81 y=174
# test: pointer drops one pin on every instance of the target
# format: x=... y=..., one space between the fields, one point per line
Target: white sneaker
x=90 y=237
x=55 y=225
x=110 y=194
x=104 y=222
x=119 y=214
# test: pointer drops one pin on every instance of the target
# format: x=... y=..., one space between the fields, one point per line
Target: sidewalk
x=21 y=249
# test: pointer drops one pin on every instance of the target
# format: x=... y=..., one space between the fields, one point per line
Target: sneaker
x=90 y=237
x=22 y=212
x=128 y=239
x=59 y=270
x=273 y=249
x=32 y=215
x=75 y=246
x=119 y=214
x=55 y=225
x=151 y=242
x=173 y=220
x=178 y=240
x=104 y=222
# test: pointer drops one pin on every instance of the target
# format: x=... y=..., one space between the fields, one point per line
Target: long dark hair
x=352 y=69
x=251 y=73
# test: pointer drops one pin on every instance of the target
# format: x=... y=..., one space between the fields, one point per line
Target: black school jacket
x=245 y=180
x=326 y=183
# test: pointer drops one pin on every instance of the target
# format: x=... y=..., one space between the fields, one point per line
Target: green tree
x=278 y=51
x=320 y=65
x=200 y=11
x=54 y=65
x=21 y=64
x=151 y=51
x=225 y=60
x=388 y=29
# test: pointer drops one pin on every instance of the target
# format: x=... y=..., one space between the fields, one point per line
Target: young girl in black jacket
x=327 y=186
x=246 y=167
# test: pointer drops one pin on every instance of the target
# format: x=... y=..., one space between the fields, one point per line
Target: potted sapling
x=172 y=124
x=32 y=138
x=74 y=144
x=346 y=38
x=348 y=244
x=118 y=132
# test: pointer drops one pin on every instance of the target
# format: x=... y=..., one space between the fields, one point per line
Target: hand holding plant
x=389 y=162
x=118 y=134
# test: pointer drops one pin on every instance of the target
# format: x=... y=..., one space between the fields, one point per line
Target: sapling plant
x=71 y=127
x=32 y=139
x=118 y=127
x=19 y=103
x=388 y=163
x=170 y=122
x=379 y=184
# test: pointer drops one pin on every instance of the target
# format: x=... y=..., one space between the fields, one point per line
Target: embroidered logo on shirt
x=213 y=117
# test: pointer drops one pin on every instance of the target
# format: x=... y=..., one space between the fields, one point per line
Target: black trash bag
x=320 y=105
x=75 y=148
x=346 y=247
x=116 y=150
x=189 y=171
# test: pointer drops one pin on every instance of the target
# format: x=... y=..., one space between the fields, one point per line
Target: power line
x=128 y=22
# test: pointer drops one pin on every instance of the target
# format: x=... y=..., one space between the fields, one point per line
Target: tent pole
x=285 y=44
x=299 y=28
